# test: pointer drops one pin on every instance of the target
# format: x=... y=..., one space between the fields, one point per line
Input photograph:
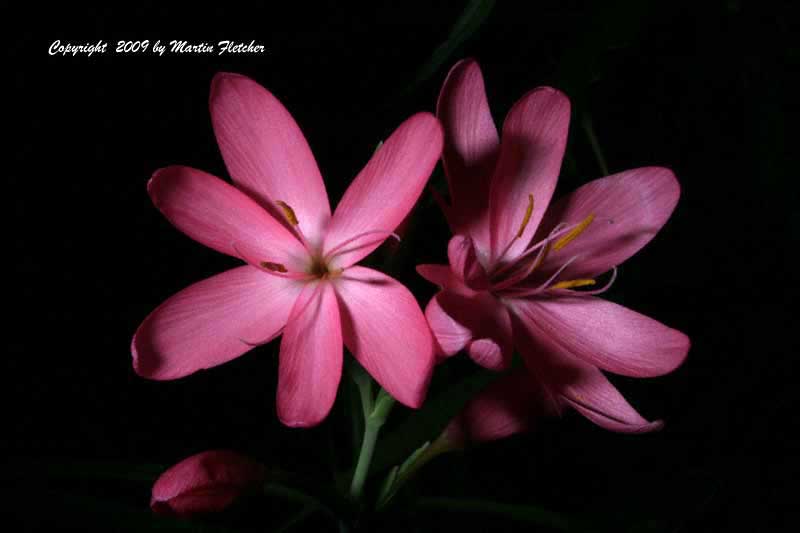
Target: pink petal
x=570 y=381
x=205 y=482
x=489 y=353
x=212 y=322
x=437 y=274
x=630 y=208
x=464 y=261
x=470 y=151
x=265 y=151
x=311 y=358
x=220 y=216
x=592 y=395
x=477 y=322
x=534 y=139
x=605 y=334
x=387 y=188
x=443 y=276
x=385 y=330
x=451 y=336
x=511 y=404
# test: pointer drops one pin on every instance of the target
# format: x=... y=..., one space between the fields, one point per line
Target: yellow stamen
x=288 y=212
x=528 y=213
x=569 y=284
x=577 y=230
x=274 y=267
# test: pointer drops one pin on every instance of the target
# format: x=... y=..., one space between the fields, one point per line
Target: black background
x=703 y=89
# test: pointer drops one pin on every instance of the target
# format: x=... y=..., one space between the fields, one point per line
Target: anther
x=273 y=267
x=288 y=212
x=573 y=233
x=520 y=231
x=572 y=283
x=527 y=218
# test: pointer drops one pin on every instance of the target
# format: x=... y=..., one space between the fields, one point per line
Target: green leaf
x=427 y=423
x=473 y=16
x=388 y=484
x=397 y=476
x=414 y=456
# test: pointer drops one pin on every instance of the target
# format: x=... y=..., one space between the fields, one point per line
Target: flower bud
x=510 y=405
x=205 y=483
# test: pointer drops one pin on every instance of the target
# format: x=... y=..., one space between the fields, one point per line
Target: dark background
x=704 y=89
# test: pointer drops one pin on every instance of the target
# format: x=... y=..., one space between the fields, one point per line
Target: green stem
x=437 y=447
x=371 y=431
x=375 y=410
x=413 y=464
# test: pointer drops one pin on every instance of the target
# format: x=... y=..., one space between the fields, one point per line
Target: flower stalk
x=375 y=414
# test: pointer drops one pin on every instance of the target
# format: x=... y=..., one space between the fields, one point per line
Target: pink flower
x=205 y=483
x=301 y=277
x=515 y=260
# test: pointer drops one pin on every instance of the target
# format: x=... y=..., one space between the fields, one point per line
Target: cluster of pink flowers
x=522 y=271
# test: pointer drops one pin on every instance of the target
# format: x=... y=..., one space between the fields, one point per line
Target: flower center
x=320 y=269
x=320 y=266
x=511 y=278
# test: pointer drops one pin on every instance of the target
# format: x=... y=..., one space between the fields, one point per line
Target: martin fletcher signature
x=100 y=47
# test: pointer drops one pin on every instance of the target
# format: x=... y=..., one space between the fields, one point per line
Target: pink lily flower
x=301 y=278
x=207 y=482
x=516 y=261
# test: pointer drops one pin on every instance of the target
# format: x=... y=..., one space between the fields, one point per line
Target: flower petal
x=437 y=274
x=477 y=322
x=605 y=334
x=387 y=188
x=592 y=395
x=218 y=215
x=212 y=322
x=464 y=260
x=451 y=336
x=385 y=330
x=511 y=404
x=311 y=358
x=205 y=482
x=266 y=153
x=570 y=381
x=534 y=139
x=630 y=208
x=470 y=151
x=443 y=276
